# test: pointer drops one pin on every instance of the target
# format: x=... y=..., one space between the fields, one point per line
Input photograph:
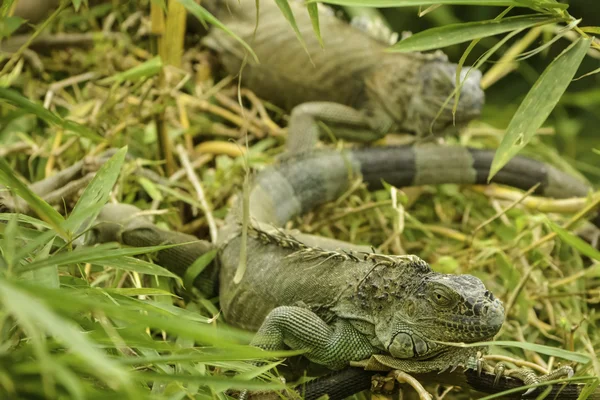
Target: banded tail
x=301 y=183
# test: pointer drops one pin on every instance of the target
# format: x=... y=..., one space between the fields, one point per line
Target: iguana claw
x=529 y=377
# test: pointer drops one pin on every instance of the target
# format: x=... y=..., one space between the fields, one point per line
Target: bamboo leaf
x=538 y=348
x=97 y=191
x=203 y=15
x=48 y=276
x=41 y=208
x=102 y=253
x=417 y=3
x=436 y=38
x=539 y=103
x=145 y=70
x=18 y=100
x=74 y=301
x=289 y=15
x=197 y=267
x=313 y=12
x=574 y=241
x=136 y=265
x=27 y=308
x=9 y=24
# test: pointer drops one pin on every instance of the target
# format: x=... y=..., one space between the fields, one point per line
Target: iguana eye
x=440 y=298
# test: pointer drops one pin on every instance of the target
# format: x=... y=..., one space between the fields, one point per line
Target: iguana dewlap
x=351 y=84
x=305 y=292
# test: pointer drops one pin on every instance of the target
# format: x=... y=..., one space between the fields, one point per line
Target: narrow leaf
x=313 y=12
x=416 y=3
x=203 y=15
x=145 y=70
x=197 y=267
x=9 y=24
x=289 y=15
x=41 y=208
x=443 y=36
x=96 y=193
x=18 y=100
x=135 y=265
x=574 y=241
x=538 y=348
x=539 y=103
x=25 y=307
x=105 y=252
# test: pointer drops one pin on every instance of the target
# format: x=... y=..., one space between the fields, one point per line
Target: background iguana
x=351 y=84
x=339 y=301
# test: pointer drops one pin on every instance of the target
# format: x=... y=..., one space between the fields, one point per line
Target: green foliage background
x=98 y=323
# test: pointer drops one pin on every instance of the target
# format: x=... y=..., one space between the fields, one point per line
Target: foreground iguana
x=351 y=84
x=338 y=301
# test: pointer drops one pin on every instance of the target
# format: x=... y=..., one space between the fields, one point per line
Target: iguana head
x=421 y=102
x=443 y=308
x=413 y=308
x=437 y=83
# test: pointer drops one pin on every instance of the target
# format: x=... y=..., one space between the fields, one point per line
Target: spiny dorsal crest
x=390 y=278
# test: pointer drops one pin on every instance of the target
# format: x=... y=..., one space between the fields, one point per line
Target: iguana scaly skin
x=325 y=296
x=351 y=84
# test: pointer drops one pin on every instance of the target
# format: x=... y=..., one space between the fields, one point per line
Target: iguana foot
x=529 y=377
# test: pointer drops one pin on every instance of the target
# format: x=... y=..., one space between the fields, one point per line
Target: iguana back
x=350 y=83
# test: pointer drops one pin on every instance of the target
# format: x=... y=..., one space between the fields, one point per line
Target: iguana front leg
x=299 y=328
x=344 y=121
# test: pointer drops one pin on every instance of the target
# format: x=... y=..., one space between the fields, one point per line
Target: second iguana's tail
x=300 y=183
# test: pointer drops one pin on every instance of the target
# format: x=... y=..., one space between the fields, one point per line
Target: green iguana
x=339 y=301
x=351 y=84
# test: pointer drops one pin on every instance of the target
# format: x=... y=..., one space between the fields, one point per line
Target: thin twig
x=212 y=226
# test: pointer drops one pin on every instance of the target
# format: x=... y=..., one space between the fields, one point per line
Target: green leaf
x=574 y=241
x=594 y=72
x=76 y=4
x=9 y=24
x=144 y=70
x=539 y=348
x=595 y=30
x=416 y=3
x=97 y=192
x=102 y=253
x=30 y=310
x=224 y=382
x=539 y=103
x=41 y=208
x=289 y=15
x=139 y=292
x=18 y=100
x=313 y=12
x=203 y=15
x=197 y=267
x=73 y=301
x=5 y=7
x=136 y=265
x=22 y=218
x=48 y=276
x=443 y=36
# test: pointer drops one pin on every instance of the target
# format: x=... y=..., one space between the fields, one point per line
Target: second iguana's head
x=421 y=101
